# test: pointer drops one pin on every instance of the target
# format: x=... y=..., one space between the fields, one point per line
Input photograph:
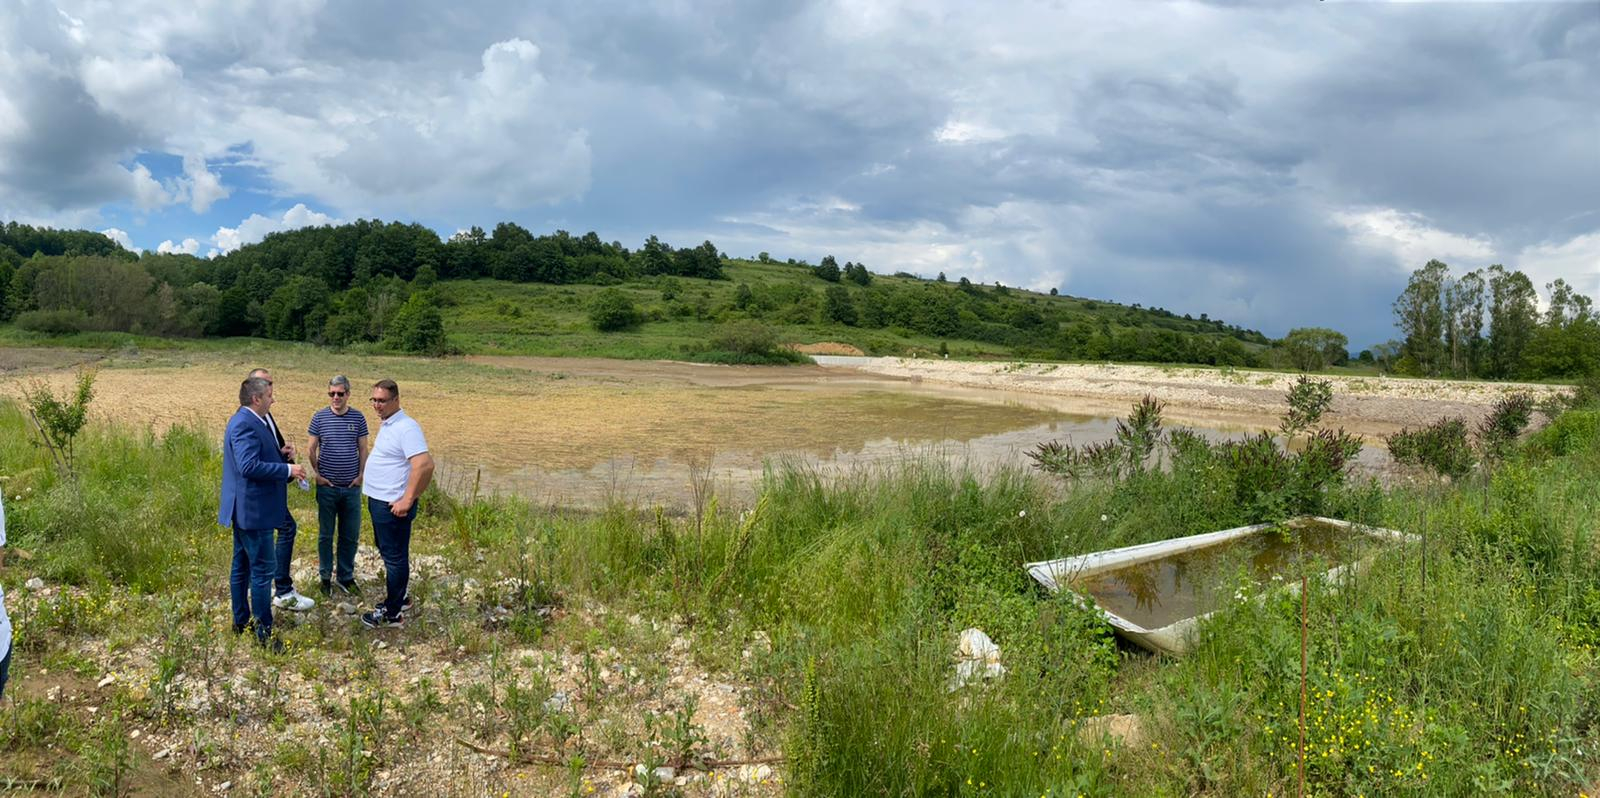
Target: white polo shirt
x=389 y=465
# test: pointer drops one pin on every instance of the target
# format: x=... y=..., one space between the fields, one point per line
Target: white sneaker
x=293 y=601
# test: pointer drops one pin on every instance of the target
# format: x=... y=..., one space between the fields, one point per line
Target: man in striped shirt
x=338 y=451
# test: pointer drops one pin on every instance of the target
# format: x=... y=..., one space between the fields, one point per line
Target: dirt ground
x=1368 y=406
x=585 y=431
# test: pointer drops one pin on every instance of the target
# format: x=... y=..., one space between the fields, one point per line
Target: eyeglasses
x=336 y=393
x=380 y=401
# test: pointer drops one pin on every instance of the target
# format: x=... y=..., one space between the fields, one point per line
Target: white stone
x=110 y=677
x=34 y=584
x=664 y=774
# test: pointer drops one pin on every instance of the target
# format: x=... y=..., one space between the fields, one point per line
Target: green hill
x=398 y=286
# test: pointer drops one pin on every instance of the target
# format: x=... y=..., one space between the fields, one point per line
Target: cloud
x=1577 y=261
x=1410 y=240
x=189 y=247
x=256 y=227
x=199 y=186
x=1229 y=158
x=121 y=237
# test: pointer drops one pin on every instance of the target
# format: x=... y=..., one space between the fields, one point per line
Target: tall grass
x=1465 y=664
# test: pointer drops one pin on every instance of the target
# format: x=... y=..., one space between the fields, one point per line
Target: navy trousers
x=393 y=536
x=250 y=582
x=284 y=553
x=341 y=508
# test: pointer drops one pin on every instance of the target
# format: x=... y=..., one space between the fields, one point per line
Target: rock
x=558 y=701
x=53 y=694
x=663 y=774
x=347 y=608
x=977 y=658
x=163 y=753
x=103 y=683
x=631 y=789
x=225 y=786
x=1125 y=729
x=133 y=735
x=382 y=645
x=34 y=584
x=763 y=773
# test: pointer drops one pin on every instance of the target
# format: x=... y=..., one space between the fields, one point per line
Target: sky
x=1276 y=164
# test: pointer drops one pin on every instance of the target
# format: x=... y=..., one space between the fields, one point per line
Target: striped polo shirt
x=338 y=459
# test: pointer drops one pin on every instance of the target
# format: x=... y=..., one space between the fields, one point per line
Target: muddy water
x=1162 y=592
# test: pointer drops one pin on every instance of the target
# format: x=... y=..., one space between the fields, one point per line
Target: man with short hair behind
x=337 y=449
x=396 y=475
x=285 y=596
x=255 y=482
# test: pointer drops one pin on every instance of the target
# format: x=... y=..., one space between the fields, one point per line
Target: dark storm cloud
x=1231 y=158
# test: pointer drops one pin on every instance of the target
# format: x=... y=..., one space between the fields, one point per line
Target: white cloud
x=135 y=89
x=147 y=193
x=256 y=227
x=188 y=247
x=119 y=236
x=1411 y=240
x=1577 y=261
x=199 y=186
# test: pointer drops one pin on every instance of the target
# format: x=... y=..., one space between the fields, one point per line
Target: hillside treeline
x=373 y=281
x=1488 y=323
x=333 y=285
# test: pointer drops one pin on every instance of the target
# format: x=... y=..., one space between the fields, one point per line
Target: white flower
x=1022 y=513
x=1102 y=516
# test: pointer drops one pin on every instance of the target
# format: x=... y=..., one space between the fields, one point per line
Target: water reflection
x=1162 y=592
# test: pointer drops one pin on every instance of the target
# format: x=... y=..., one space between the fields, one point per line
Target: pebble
x=133 y=735
x=382 y=645
x=225 y=786
x=34 y=584
x=663 y=773
x=110 y=677
x=558 y=701
x=163 y=753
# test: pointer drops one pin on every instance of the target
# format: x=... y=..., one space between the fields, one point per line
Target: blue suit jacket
x=255 y=479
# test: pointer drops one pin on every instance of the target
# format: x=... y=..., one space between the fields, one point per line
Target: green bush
x=55 y=322
x=1572 y=432
x=611 y=310
x=1441 y=447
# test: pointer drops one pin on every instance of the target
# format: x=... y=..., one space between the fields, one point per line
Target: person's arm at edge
x=361 y=461
x=416 y=483
x=313 y=445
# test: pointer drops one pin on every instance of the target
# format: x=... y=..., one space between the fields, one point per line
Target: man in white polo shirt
x=398 y=471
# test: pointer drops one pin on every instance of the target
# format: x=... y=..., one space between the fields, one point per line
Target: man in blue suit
x=254 y=502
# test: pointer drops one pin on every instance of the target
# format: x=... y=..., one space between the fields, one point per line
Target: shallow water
x=1162 y=592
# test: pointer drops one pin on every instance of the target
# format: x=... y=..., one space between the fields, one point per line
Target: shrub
x=1573 y=431
x=1441 y=447
x=55 y=322
x=745 y=338
x=611 y=310
x=417 y=327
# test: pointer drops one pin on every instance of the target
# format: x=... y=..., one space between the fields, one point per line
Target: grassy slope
x=1465 y=666
x=551 y=320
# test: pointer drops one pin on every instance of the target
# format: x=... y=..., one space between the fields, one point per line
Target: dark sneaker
x=405 y=606
x=272 y=643
x=378 y=620
x=350 y=588
x=327 y=588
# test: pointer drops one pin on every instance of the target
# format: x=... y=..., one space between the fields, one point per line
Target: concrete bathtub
x=1156 y=594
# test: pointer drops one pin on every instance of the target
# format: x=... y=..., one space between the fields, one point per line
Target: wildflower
x=1022 y=513
x=1102 y=516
